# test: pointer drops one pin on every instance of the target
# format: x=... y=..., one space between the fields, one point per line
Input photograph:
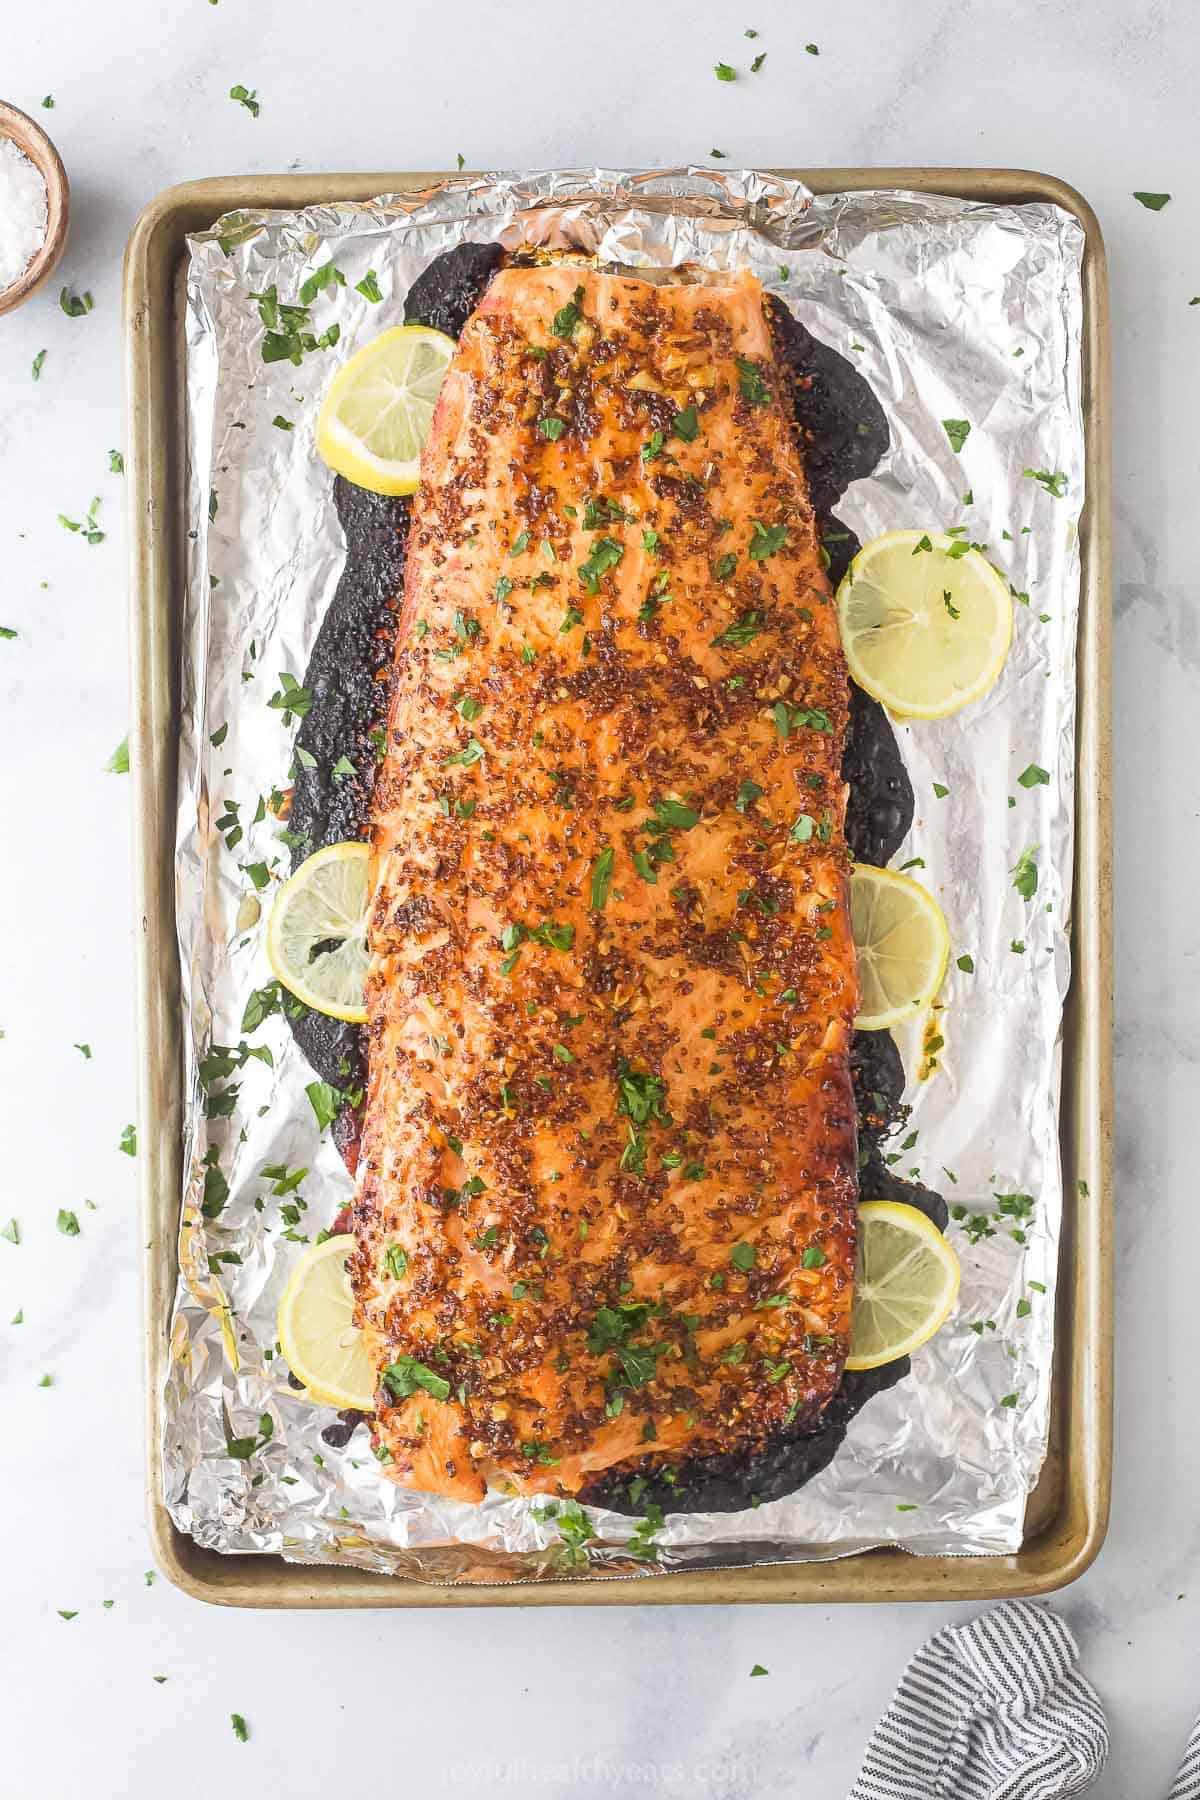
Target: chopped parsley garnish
x=38 y=360
x=813 y=1258
x=948 y=603
x=743 y=1256
x=128 y=1142
x=606 y=554
x=118 y=762
x=940 y=790
x=742 y=632
x=724 y=72
x=406 y=1375
x=1025 y=873
x=796 y=718
x=767 y=539
x=1033 y=776
x=602 y=873
x=503 y=588
x=292 y=700
x=369 y=287
x=67 y=1222
x=568 y=317
x=751 y=385
x=467 y=757
x=396 y=1261
x=758 y=62
x=1152 y=202
x=958 y=431
x=1054 y=481
x=552 y=428
x=966 y=962
x=687 y=425
x=803 y=829
x=748 y=792
x=247 y=97
x=653 y=447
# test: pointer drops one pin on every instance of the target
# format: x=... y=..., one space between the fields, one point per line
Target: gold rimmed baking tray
x=1068 y=1511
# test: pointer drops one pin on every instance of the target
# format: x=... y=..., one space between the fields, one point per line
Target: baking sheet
x=904 y=276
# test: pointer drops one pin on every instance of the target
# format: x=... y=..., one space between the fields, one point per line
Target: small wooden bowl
x=29 y=137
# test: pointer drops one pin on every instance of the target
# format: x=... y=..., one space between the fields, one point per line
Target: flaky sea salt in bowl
x=34 y=203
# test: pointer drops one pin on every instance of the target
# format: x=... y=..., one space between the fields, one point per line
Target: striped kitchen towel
x=1186 y=1785
x=994 y=1710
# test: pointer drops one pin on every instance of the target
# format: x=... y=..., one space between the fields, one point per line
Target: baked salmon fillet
x=606 y=1195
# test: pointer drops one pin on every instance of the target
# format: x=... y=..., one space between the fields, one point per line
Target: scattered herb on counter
x=85 y=1050
x=1033 y=776
x=759 y=1670
x=47 y=101
x=958 y=431
x=67 y=1222
x=812 y=49
x=38 y=360
x=118 y=762
x=720 y=155
x=128 y=1141
x=724 y=72
x=1054 y=481
x=758 y=62
x=462 y=161
x=1025 y=873
x=11 y=1233
x=241 y=1730
x=1152 y=202
x=247 y=97
x=67 y=1615
x=75 y=305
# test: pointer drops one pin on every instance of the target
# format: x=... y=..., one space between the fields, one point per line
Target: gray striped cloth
x=993 y=1710
x=997 y=1710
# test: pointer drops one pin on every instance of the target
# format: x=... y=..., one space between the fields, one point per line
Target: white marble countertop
x=549 y=1702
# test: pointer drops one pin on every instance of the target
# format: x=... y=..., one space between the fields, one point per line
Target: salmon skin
x=606 y=1194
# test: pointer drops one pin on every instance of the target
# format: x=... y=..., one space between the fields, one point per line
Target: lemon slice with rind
x=317 y=932
x=376 y=416
x=905 y=1287
x=902 y=942
x=926 y=622
x=320 y=1341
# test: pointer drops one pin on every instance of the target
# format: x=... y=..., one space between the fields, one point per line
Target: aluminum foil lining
x=952 y=310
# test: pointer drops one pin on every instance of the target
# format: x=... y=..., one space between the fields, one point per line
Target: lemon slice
x=906 y=1285
x=320 y=1341
x=317 y=932
x=375 y=417
x=903 y=943
x=925 y=624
